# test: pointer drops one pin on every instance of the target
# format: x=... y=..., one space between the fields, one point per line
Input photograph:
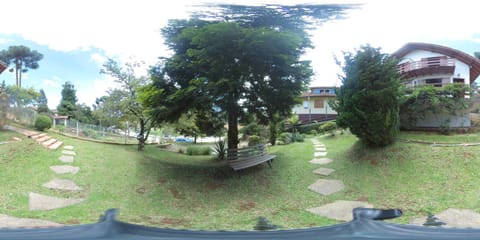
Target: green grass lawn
x=168 y=189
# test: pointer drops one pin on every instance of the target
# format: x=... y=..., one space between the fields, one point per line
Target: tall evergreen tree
x=68 y=102
x=42 y=103
x=369 y=99
x=22 y=58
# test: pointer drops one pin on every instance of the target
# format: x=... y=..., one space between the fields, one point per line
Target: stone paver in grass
x=68 y=147
x=320 y=154
x=327 y=186
x=62 y=184
x=66 y=159
x=68 y=152
x=42 y=202
x=319 y=145
x=458 y=218
x=320 y=149
x=321 y=161
x=340 y=210
x=324 y=171
x=63 y=169
x=14 y=222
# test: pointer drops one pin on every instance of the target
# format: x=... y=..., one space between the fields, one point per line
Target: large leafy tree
x=128 y=103
x=22 y=58
x=232 y=68
x=68 y=102
x=369 y=98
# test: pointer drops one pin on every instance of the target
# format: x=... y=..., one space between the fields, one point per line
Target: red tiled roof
x=3 y=66
x=473 y=62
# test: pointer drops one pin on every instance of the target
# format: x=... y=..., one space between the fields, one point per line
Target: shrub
x=254 y=129
x=254 y=140
x=43 y=122
x=220 y=149
x=329 y=127
x=198 y=150
x=307 y=128
x=297 y=137
x=285 y=138
x=314 y=132
x=90 y=133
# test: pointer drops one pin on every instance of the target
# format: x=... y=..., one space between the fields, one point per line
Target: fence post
x=77 y=128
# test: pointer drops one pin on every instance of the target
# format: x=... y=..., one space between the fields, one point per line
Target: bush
x=307 y=128
x=285 y=138
x=254 y=140
x=254 y=129
x=329 y=127
x=198 y=150
x=43 y=122
x=220 y=150
x=90 y=133
x=314 y=132
x=297 y=137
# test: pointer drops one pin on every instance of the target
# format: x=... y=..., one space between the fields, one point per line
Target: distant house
x=314 y=105
x=429 y=64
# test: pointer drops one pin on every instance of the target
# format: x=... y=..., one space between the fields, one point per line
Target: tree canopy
x=68 y=102
x=22 y=58
x=369 y=98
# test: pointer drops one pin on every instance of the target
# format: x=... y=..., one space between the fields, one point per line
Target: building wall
x=308 y=106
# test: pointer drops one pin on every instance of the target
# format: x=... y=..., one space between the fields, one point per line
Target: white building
x=430 y=64
x=314 y=105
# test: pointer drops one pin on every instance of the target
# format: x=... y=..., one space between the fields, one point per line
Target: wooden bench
x=242 y=158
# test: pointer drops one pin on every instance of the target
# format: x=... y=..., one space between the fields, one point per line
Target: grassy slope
x=171 y=190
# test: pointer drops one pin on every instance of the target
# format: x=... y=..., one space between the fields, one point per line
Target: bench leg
x=269 y=163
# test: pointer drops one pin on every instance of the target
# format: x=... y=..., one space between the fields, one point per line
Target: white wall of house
x=308 y=107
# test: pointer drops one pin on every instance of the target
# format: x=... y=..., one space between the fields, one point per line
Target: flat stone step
x=452 y=217
x=340 y=210
x=62 y=184
x=321 y=161
x=7 y=221
x=324 y=171
x=38 y=135
x=319 y=145
x=320 y=149
x=42 y=202
x=320 y=154
x=55 y=146
x=68 y=152
x=327 y=186
x=49 y=142
x=63 y=169
x=68 y=147
x=66 y=159
x=43 y=139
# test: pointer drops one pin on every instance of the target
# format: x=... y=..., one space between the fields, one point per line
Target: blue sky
x=77 y=36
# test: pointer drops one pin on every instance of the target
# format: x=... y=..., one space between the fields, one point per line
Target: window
x=316 y=91
x=318 y=104
x=436 y=82
x=305 y=104
x=458 y=80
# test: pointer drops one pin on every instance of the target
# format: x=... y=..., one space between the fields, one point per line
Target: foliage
x=254 y=128
x=84 y=114
x=129 y=104
x=226 y=67
x=42 y=103
x=67 y=106
x=254 y=140
x=329 y=127
x=220 y=149
x=43 y=122
x=22 y=58
x=193 y=150
x=297 y=137
x=285 y=138
x=433 y=100
x=369 y=98
x=307 y=128
x=90 y=133
x=3 y=105
x=22 y=97
x=314 y=132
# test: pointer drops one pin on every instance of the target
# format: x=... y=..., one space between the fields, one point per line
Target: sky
x=77 y=36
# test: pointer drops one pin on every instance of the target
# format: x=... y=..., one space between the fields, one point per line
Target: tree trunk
x=273 y=132
x=232 y=134
x=141 y=137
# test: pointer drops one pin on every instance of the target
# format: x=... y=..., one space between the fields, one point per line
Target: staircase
x=41 y=138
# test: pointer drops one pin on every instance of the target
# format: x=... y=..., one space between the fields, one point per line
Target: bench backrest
x=244 y=153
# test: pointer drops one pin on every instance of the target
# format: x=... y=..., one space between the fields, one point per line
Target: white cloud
x=98 y=58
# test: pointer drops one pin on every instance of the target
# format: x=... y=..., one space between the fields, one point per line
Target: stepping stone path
x=339 y=210
x=327 y=186
x=68 y=152
x=63 y=169
x=62 y=184
x=321 y=161
x=66 y=159
x=320 y=154
x=42 y=202
x=458 y=218
x=14 y=222
x=324 y=171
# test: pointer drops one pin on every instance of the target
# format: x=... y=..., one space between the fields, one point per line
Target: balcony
x=427 y=67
